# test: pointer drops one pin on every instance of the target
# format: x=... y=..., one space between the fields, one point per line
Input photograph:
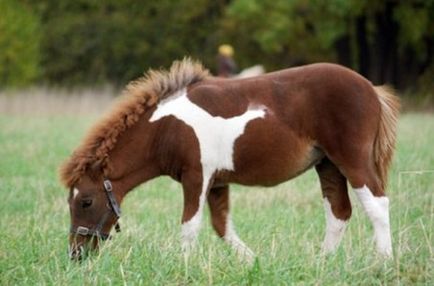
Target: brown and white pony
x=207 y=133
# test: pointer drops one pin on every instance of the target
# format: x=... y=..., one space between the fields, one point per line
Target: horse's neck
x=131 y=162
x=129 y=181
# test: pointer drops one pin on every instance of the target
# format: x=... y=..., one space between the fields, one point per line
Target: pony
x=208 y=133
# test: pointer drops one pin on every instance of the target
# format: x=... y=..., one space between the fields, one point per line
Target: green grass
x=283 y=225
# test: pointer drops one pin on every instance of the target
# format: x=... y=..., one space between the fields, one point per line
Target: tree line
x=88 y=42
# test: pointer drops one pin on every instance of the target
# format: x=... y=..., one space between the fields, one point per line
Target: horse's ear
x=96 y=167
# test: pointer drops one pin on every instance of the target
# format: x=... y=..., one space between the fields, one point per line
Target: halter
x=113 y=207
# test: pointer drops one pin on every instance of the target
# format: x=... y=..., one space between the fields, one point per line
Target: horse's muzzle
x=76 y=253
x=81 y=246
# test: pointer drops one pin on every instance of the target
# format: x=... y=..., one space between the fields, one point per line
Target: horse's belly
x=271 y=154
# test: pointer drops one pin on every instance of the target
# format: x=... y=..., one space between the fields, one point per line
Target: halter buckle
x=108 y=185
x=82 y=230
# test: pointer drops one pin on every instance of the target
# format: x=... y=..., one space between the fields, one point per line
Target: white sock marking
x=236 y=243
x=189 y=232
x=377 y=209
x=190 y=229
x=335 y=229
x=216 y=136
x=75 y=193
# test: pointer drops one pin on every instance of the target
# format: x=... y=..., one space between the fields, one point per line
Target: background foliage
x=83 y=42
x=19 y=44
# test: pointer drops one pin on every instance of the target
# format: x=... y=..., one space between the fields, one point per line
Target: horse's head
x=94 y=210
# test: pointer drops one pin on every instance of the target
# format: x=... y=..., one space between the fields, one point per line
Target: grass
x=283 y=225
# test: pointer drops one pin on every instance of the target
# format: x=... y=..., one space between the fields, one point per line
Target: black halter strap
x=113 y=208
x=111 y=198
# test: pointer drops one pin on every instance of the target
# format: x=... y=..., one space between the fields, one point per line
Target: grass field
x=283 y=225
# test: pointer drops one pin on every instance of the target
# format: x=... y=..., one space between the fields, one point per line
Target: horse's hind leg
x=377 y=209
x=337 y=204
x=361 y=173
x=218 y=200
x=376 y=206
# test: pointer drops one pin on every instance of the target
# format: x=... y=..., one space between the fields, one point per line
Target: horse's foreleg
x=337 y=204
x=218 y=200
x=195 y=187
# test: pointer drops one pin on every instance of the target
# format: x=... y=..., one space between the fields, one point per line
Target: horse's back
x=314 y=80
x=305 y=97
x=310 y=111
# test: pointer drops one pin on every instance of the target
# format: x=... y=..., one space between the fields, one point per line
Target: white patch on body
x=377 y=209
x=236 y=243
x=75 y=193
x=216 y=136
x=335 y=229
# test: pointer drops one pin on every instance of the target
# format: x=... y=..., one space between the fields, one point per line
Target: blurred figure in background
x=226 y=66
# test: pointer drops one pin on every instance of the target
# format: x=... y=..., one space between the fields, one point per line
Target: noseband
x=113 y=207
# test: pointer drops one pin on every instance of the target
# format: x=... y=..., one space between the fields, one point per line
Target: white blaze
x=216 y=137
x=75 y=193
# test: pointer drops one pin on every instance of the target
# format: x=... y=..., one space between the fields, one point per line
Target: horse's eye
x=86 y=203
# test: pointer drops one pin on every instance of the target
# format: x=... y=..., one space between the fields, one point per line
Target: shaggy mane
x=139 y=94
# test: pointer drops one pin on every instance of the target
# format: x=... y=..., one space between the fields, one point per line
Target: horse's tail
x=384 y=144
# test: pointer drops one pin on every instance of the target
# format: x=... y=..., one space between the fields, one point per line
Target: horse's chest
x=216 y=135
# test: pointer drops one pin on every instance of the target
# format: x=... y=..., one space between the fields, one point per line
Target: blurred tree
x=285 y=33
x=387 y=41
x=19 y=44
x=88 y=42
x=97 y=41
x=389 y=49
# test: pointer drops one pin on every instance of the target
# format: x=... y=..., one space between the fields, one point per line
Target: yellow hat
x=226 y=50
